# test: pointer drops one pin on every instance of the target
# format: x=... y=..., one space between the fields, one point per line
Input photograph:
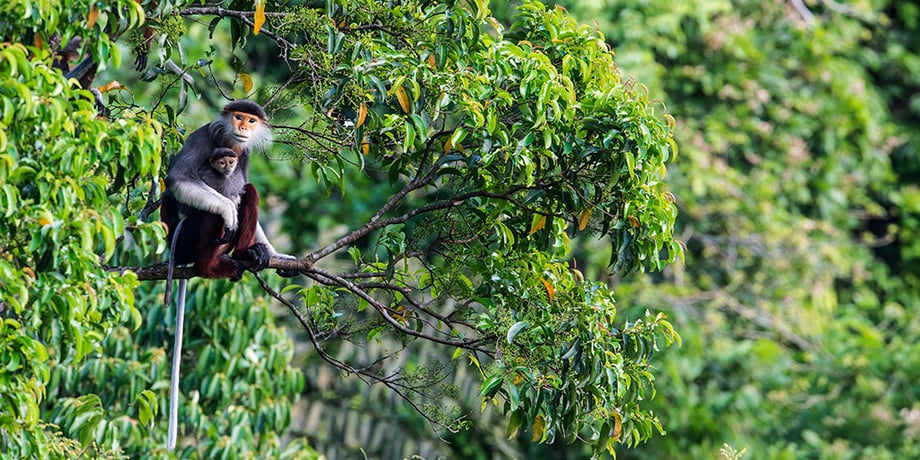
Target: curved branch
x=362 y=373
x=377 y=221
x=158 y=271
x=382 y=310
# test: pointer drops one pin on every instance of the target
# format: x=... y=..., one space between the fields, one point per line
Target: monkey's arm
x=189 y=188
x=199 y=195
x=261 y=238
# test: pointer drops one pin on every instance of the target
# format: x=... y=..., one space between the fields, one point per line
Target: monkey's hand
x=229 y=214
x=286 y=273
x=200 y=196
x=226 y=238
x=257 y=253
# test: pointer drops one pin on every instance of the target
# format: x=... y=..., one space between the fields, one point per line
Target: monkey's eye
x=238 y=117
x=252 y=121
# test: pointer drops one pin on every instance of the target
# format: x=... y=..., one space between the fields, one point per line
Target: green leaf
x=491 y=386
x=515 y=329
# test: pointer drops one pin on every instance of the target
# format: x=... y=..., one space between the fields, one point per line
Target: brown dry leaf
x=617 y=427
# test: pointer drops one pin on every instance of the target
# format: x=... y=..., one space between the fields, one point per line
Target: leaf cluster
x=59 y=223
x=500 y=148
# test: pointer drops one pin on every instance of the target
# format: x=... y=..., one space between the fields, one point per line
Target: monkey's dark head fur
x=239 y=132
x=245 y=106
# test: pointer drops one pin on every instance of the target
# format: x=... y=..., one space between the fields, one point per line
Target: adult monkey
x=191 y=190
x=217 y=219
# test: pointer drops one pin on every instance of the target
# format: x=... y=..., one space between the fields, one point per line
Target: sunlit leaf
x=515 y=329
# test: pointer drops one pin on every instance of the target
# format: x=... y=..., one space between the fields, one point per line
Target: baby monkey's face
x=225 y=165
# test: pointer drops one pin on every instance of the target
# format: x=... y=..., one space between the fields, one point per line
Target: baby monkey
x=218 y=173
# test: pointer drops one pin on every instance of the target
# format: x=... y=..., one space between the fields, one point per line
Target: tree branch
x=244 y=16
x=361 y=373
x=158 y=271
x=325 y=277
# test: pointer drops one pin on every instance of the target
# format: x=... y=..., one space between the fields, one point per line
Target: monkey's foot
x=224 y=267
x=257 y=253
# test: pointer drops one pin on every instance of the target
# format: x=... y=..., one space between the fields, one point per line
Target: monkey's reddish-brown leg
x=248 y=215
x=211 y=260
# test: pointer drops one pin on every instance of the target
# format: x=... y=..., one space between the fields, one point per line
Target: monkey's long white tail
x=174 y=385
x=177 y=345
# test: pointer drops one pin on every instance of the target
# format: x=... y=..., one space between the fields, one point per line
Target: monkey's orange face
x=244 y=126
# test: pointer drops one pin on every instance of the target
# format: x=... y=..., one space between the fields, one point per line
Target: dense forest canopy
x=488 y=148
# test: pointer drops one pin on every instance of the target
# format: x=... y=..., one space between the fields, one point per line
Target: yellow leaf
x=403 y=98
x=549 y=289
x=44 y=221
x=247 y=82
x=431 y=61
x=259 y=18
x=362 y=115
x=400 y=314
x=617 y=427
x=538 y=225
x=38 y=41
x=583 y=219
x=633 y=222
x=28 y=272
x=539 y=426
x=93 y=16
x=365 y=146
x=448 y=145
x=111 y=86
